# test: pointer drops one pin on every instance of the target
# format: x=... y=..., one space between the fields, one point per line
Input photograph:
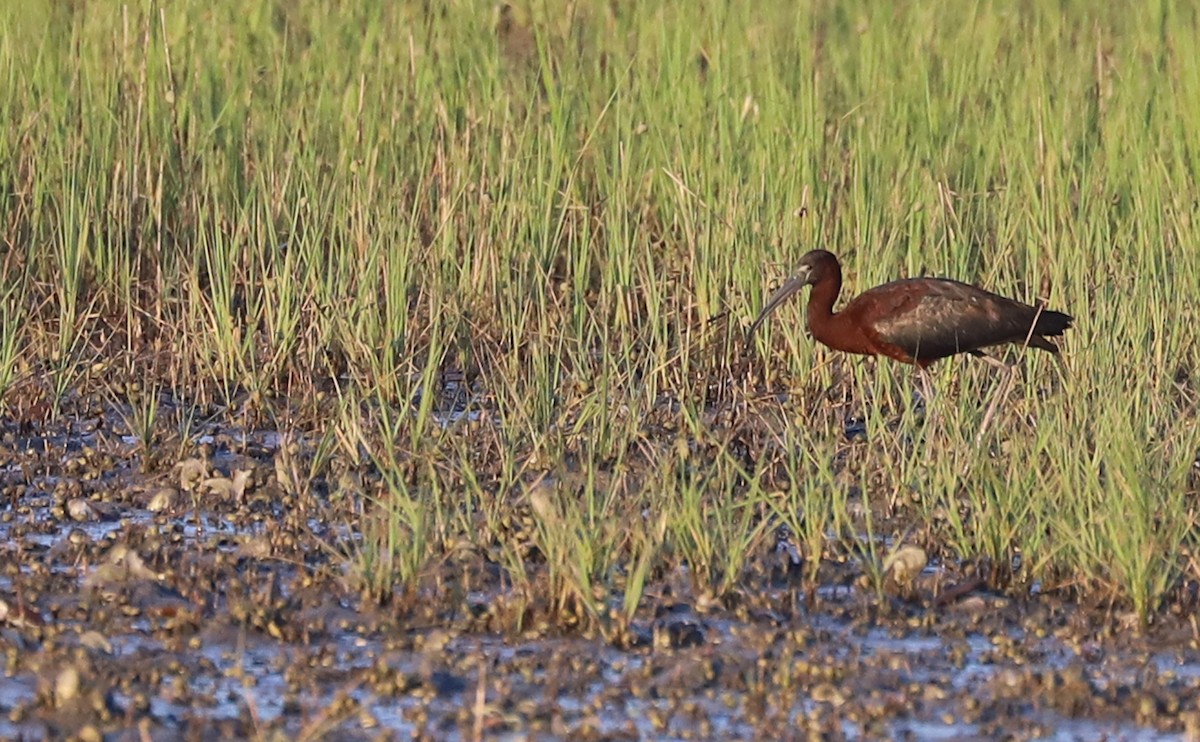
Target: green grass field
x=314 y=216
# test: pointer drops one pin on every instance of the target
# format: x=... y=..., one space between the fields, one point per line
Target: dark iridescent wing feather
x=931 y=318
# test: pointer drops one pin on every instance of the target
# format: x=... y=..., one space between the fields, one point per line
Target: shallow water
x=217 y=627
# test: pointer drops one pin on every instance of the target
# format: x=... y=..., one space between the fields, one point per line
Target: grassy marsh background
x=487 y=259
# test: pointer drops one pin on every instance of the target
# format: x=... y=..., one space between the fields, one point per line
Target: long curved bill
x=789 y=287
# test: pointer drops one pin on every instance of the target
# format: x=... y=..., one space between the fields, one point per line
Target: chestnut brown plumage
x=914 y=320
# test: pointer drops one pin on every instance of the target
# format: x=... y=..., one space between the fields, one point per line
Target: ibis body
x=913 y=320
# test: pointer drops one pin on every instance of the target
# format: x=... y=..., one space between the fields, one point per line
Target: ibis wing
x=936 y=318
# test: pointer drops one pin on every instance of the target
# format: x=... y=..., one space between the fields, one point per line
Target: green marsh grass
x=12 y=313
x=306 y=201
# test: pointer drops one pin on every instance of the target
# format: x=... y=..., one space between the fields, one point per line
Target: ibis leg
x=926 y=392
x=998 y=394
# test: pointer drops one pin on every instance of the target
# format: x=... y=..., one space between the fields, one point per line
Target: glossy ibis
x=916 y=320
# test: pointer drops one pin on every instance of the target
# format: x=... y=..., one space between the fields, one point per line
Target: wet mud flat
x=201 y=601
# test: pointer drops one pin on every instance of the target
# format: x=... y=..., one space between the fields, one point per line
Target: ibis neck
x=836 y=330
x=820 y=301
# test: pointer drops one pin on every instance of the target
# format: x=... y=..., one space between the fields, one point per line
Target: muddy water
x=214 y=614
